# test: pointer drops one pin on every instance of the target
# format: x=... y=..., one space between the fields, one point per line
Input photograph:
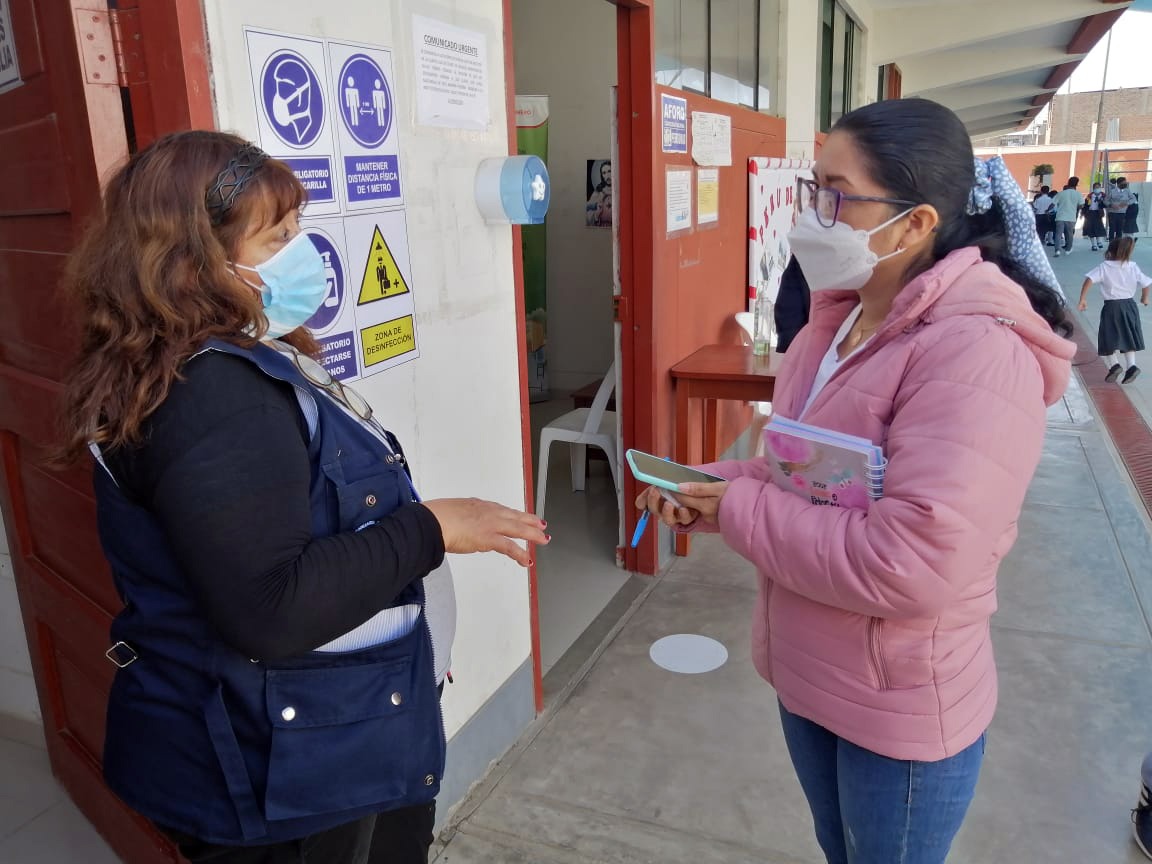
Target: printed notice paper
x=707 y=196
x=679 y=199
x=451 y=75
x=711 y=138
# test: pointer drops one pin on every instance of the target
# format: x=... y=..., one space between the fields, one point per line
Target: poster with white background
x=364 y=94
x=293 y=114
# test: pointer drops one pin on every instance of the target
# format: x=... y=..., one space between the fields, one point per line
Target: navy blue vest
x=233 y=751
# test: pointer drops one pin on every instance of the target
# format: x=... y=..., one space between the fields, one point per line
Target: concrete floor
x=635 y=764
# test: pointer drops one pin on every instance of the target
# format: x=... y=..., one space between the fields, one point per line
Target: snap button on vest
x=429 y=780
x=289 y=714
x=370 y=500
x=397 y=699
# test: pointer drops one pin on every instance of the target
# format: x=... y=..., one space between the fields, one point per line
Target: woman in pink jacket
x=934 y=333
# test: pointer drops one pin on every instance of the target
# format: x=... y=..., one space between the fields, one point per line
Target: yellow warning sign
x=385 y=341
x=382 y=276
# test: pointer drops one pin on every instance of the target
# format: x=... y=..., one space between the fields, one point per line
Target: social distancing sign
x=382 y=276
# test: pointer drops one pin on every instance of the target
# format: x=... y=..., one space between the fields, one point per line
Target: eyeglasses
x=826 y=201
x=318 y=375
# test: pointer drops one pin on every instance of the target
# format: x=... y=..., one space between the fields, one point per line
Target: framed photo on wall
x=598 y=210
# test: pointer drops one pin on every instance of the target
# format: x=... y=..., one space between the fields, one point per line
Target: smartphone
x=663 y=473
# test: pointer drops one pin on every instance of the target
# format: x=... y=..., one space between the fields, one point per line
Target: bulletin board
x=771 y=209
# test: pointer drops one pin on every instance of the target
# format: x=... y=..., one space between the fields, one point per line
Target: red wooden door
x=60 y=131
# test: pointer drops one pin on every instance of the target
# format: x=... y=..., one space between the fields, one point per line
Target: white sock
x=1129 y=359
x=1112 y=359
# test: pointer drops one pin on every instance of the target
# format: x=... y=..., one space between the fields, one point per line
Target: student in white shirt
x=1120 y=332
x=1043 y=205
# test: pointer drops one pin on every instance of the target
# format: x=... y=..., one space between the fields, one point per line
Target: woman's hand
x=1083 y=307
x=474 y=525
x=703 y=498
x=652 y=499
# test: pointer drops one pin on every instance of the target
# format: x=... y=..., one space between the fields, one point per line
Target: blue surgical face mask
x=294 y=286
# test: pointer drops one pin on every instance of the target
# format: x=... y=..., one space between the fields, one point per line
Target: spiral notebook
x=823 y=466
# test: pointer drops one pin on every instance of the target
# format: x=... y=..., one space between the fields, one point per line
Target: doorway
x=566 y=54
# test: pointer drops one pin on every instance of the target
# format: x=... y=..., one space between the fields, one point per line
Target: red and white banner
x=771 y=214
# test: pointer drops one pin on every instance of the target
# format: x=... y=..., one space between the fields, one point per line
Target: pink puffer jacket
x=875 y=624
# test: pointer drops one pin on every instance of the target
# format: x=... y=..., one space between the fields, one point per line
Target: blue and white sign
x=293 y=103
x=9 y=67
x=363 y=89
x=293 y=99
x=367 y=104
x=334 y=272
x=673 y=124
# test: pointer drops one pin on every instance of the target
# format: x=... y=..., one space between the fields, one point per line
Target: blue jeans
x=870 y=809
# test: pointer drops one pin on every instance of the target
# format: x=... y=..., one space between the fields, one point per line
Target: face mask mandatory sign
x=382 y=277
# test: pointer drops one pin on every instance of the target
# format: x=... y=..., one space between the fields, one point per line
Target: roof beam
x=961 y=97
x=923 y=75
x=904 y=32
x=995 y=109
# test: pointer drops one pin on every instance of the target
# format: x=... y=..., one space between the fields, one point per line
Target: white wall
x=567 y=51
x=801 y=68
x=464 y=389
x=801 y=73
x=17 y=688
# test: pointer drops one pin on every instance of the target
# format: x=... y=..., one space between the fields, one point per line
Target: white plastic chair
x=581 y=428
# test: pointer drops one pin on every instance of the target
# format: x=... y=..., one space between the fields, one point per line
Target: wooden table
x=713 y=373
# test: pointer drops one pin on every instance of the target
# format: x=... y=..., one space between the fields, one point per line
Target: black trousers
x=396 y=837
x=1116 y=225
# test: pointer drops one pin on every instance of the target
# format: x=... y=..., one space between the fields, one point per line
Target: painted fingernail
x=548 y=537
x=543 y=524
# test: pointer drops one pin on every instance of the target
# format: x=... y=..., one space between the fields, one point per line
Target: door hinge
x=127 y=41
x=110 y=46
x=619 y=307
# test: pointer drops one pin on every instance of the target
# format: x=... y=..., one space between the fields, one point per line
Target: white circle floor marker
x=688 y=653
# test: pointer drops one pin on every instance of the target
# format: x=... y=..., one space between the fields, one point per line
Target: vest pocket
x=343 y=747
x=366 y=494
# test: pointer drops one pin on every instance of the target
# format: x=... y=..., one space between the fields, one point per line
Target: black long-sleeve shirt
x=225 y=470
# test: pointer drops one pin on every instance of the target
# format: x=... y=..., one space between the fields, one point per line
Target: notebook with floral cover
x=823 y=466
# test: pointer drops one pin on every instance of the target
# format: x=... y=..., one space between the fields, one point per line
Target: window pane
x=682 y=44
x=827 y=37
x=734 y=51
x=768 y=99
x=839 y=43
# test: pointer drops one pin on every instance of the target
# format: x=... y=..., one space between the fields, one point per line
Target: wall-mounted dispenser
x=513 y=190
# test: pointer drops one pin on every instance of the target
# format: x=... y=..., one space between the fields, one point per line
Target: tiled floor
x=38 y=824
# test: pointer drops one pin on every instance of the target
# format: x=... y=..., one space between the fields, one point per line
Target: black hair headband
x=240 y=170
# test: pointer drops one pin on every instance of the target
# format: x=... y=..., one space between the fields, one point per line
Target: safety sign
x=9 y=68
x=385 y=313
x=364 y=325
x=382 y=276
x=369 y=146
x=334 y=272
x=289 y=83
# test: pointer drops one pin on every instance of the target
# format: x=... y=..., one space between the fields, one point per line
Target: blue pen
x=643 y=523
x=640 y=526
